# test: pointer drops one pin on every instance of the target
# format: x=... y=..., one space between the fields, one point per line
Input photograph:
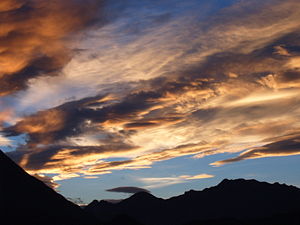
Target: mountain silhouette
x=27 y=200
x=230 y=202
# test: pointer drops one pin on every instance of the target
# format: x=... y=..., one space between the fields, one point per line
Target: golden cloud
x=282 y=146
x=6 y=115
x=240 y=97
x=35 y=37
x=47 y=180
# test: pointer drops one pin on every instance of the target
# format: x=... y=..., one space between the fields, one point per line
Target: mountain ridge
x=27 y=200
x=237 y=199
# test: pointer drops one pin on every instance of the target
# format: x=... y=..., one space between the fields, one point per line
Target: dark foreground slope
x=231 y=202
x=26 y=200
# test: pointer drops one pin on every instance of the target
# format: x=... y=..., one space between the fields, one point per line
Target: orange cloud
x=43 y=122
x=40 y=127
x=235 y=93
x=6 y=115
x=283 y=146
x=199 y=176
x=35 y=35
x=146 y=160
x=47 y=180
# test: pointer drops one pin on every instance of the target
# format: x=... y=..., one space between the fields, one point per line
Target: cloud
x=282 y=146
x=199 y=176
x=4 y=141
x=36 y=37
x=69 y=161
x=5 y=116
x=159 y=49
x=158 y=182
x=40 y=126
x=231 y=86
x=47 y=180
x=130 y=190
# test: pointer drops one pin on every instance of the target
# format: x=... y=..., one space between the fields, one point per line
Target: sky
x=163 y=95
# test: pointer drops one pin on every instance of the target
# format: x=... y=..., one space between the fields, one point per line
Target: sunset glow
x=115 y=91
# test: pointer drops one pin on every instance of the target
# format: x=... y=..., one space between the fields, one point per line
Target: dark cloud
x=285 y=146
x=145 y=123
x=130 y=190
x=289 y=76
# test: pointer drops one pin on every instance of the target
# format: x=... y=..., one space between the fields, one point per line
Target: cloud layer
x=35 y=38
x=168 y=86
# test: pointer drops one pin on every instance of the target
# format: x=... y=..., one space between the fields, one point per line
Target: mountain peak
x=140 y=196
x=251 y=183
x=3 y=155
x=8 y=168
x=239 y=181
x=238 y=199
x=37 y=199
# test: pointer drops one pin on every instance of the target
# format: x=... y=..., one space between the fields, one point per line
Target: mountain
x=27 y=200
x=136 y=207
x=230 y=202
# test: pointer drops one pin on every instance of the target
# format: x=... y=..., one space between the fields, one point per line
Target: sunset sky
x=166 y=95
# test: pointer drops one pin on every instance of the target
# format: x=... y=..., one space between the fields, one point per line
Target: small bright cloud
x=158 y=182
x=4 y=141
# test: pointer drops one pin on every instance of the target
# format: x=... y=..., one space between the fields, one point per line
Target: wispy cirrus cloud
x=282 y=146
x=158 y=182
x=227 y=86
x=150 y=49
